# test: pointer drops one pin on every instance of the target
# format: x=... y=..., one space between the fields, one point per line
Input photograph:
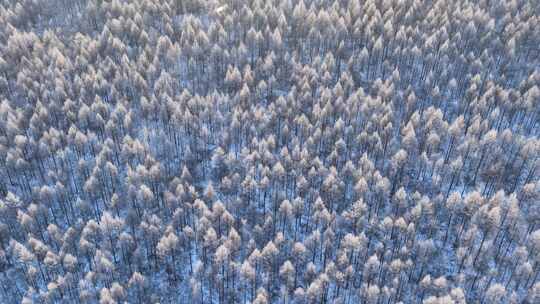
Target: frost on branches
x=281 y=151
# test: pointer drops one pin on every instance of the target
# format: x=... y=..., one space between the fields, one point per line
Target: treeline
x=256 y=151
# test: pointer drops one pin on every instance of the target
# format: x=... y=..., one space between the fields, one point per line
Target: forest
x=270 y=151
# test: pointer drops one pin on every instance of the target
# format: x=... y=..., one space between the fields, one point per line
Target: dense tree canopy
x=281 y=151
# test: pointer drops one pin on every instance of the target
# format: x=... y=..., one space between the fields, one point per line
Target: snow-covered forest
x=270 y=151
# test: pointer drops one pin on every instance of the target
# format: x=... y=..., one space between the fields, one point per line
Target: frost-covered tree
x=269 y=151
